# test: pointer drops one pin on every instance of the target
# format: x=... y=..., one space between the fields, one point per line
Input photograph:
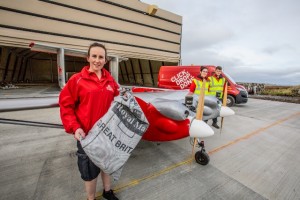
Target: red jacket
x=85 y=99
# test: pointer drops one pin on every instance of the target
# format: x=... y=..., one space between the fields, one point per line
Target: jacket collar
x=200 y=78
x=215 y=75
x=86 y=73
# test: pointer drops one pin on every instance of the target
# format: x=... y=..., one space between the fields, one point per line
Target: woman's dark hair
x=202 y=68
x=96 y=44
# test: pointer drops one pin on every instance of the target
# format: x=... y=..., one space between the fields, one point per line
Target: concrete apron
x=255 y=157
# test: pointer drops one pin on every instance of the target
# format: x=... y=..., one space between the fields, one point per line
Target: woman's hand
x=79 y=133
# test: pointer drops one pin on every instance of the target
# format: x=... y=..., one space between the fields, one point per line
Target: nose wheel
x=201 y=156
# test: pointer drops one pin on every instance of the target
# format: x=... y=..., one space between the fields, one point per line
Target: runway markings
x=247 y=136
x=189 y=160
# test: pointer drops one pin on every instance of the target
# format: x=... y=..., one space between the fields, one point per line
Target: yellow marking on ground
x=189 y=160
x=247 y=136
x=154 y=175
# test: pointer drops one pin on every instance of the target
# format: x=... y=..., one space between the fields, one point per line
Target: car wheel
x=230 y=101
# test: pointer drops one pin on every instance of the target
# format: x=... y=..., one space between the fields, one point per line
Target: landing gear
x=201 y=156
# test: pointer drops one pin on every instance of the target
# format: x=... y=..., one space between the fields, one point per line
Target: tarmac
x=256 y=156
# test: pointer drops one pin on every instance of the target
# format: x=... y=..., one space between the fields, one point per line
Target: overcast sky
x=254 y=40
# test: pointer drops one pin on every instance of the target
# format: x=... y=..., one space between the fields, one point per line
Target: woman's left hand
x=79 y=133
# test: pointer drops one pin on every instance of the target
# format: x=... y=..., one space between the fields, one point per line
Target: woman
x=85 y=98
x=196 y=85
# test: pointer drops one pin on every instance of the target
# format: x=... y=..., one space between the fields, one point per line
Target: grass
x=282 y=91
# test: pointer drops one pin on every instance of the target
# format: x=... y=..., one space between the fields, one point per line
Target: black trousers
x=87 y=168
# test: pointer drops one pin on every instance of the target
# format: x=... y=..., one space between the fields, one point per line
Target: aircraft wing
x=165 y=101
x=27 y=103
x=168 y=95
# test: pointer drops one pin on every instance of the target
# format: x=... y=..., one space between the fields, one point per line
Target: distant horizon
x=275 y=84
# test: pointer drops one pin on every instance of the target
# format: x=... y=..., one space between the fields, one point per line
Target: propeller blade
x=222 y=120
x=194 y=145
x=200 y=107
x=225 y=95
x=223 y=105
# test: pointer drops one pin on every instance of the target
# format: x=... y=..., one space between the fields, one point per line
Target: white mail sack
x=113 y=137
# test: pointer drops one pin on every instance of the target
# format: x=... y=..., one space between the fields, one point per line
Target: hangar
x=139 y=38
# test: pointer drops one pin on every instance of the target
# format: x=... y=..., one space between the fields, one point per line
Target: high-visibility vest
x=198 y=84
x=216 y=86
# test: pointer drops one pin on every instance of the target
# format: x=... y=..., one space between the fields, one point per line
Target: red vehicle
x=180 y=77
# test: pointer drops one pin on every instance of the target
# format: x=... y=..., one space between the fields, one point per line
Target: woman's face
x=96 y=59
x=204 y=73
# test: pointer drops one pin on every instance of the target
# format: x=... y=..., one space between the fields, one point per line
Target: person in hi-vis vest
x=197 y=82
x=216 y=88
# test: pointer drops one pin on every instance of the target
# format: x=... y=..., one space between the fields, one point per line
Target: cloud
x=209 y=57
x=253 y=40
x=273 y=49
x=204 y=37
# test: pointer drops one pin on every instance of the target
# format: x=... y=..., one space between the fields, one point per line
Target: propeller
x=224 y=104
x=200 y=109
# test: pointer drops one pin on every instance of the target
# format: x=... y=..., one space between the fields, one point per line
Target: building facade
x=140 y=36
